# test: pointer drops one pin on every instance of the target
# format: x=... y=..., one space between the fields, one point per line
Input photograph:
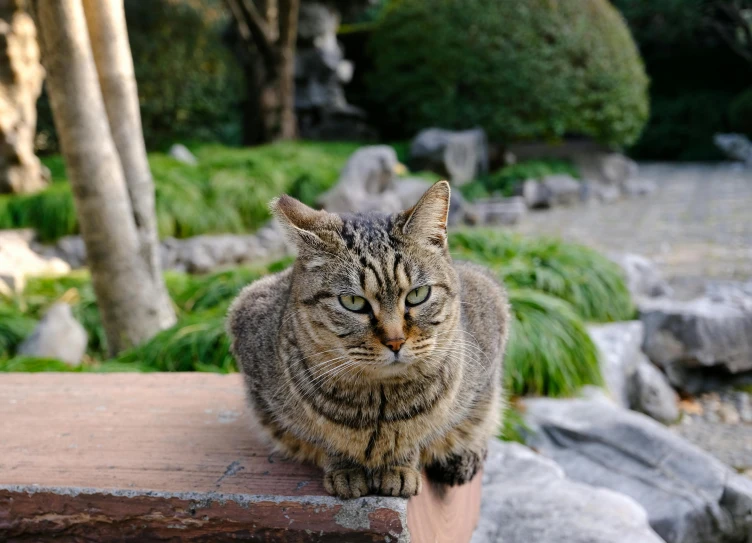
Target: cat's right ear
x=306 y=227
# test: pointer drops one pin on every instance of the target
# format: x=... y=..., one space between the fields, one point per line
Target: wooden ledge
x=157 y=457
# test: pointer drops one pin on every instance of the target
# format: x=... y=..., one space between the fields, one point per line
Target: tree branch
x=254 y=32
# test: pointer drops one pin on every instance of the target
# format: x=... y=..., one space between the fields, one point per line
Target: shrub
x=522 y=70
x=740 y=113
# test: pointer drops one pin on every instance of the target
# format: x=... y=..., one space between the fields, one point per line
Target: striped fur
x=322 y=383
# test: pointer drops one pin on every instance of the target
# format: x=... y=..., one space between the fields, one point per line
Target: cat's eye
x=418 y=296
x=357 y=304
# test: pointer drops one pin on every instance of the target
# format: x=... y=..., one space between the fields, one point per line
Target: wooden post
x=158 y=457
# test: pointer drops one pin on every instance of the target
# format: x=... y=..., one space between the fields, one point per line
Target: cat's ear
x=427 y=220
x=306 y=227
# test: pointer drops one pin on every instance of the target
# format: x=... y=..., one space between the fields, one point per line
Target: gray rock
x=366 y=183
x=58 y=335
x=638 y=187
x=698 y=334
x=18 y=261
x=500 y=211
x=643 y=277
x=461 y=156
x=619 y=347
x=560 y=189
x=736 y=146
x=616 y=169
x=527 y=498
x=690 y=497
x=652 y=394
x=607 y=194
x=181 y=153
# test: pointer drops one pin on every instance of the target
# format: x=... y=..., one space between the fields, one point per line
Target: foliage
x=506 y=180
x=189 y=85
x=694 y=75
x=592 y=284
x=540 y=69
x=740 y=113
x=227 y=192
x=550 y=352
x=15 y=326
x=513 y=422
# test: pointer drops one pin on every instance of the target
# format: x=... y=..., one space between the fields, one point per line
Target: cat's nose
x=395 y=344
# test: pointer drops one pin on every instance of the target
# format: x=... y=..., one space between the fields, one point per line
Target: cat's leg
x=399 y=480
x=457 y=457
x=344 y=478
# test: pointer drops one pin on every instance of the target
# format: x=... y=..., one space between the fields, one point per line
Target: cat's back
x=485 y=307
x=254 y=318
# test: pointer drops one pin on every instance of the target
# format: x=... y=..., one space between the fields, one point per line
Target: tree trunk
x=21 y=76
x=125 y=291
x=117 y=79
x=268 y=29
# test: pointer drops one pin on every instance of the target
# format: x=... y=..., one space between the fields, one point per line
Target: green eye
x=418 y=295
x=357 y=304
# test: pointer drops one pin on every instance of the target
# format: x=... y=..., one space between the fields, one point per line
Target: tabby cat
x=375 y=355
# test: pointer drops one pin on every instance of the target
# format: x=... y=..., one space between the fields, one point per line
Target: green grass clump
x=550 y=352
x=594 y=285
x=228 y=191
x=506 y=181
x=15 y=326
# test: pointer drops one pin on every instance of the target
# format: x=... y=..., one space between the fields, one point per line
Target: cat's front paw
x=396 y=481
x=456 y=469
x=346 y=483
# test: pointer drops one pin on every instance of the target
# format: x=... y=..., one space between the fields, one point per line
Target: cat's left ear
x=308 y=228
x=427 y=220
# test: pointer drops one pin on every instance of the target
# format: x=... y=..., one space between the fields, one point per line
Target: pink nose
x=395 y=344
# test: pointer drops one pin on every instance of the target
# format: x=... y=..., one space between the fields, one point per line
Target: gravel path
x=697 y=224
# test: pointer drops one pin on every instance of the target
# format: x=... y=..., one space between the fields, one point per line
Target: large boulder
x=18 y=261
x=21 y=76
x=689 y=496
x=366 y=183
x=689 y=339
x=461 y=156
x=552 y=190
x=58 y=335
x=527 y=498
x=643 y=277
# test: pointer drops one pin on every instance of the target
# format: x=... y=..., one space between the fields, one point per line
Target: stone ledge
x=157 y=457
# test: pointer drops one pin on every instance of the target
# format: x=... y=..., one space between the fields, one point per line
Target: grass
x=227 y=191
x=554 y=288
x=591 y=283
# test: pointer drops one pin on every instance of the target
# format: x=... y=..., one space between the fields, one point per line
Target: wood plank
x=135 y=457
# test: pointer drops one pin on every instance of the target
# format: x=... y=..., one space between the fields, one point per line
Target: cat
x=375 y=356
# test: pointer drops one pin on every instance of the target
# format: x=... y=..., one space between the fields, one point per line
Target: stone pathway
x=697 y=224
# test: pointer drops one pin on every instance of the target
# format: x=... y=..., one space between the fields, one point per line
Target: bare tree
x=268 y=30
x=128 y=287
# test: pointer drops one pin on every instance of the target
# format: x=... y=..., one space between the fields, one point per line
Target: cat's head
x=375 y=292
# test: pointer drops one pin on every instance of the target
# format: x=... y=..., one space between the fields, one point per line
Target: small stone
x=58 y=335
x=652 y=394
x=728 y=414
x=500 y=211
x=181 y=153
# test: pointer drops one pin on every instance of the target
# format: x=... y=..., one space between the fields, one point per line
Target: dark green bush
x=740 y=113
x=539 y=69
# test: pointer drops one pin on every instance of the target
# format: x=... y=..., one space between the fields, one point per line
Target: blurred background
x=599 y=153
